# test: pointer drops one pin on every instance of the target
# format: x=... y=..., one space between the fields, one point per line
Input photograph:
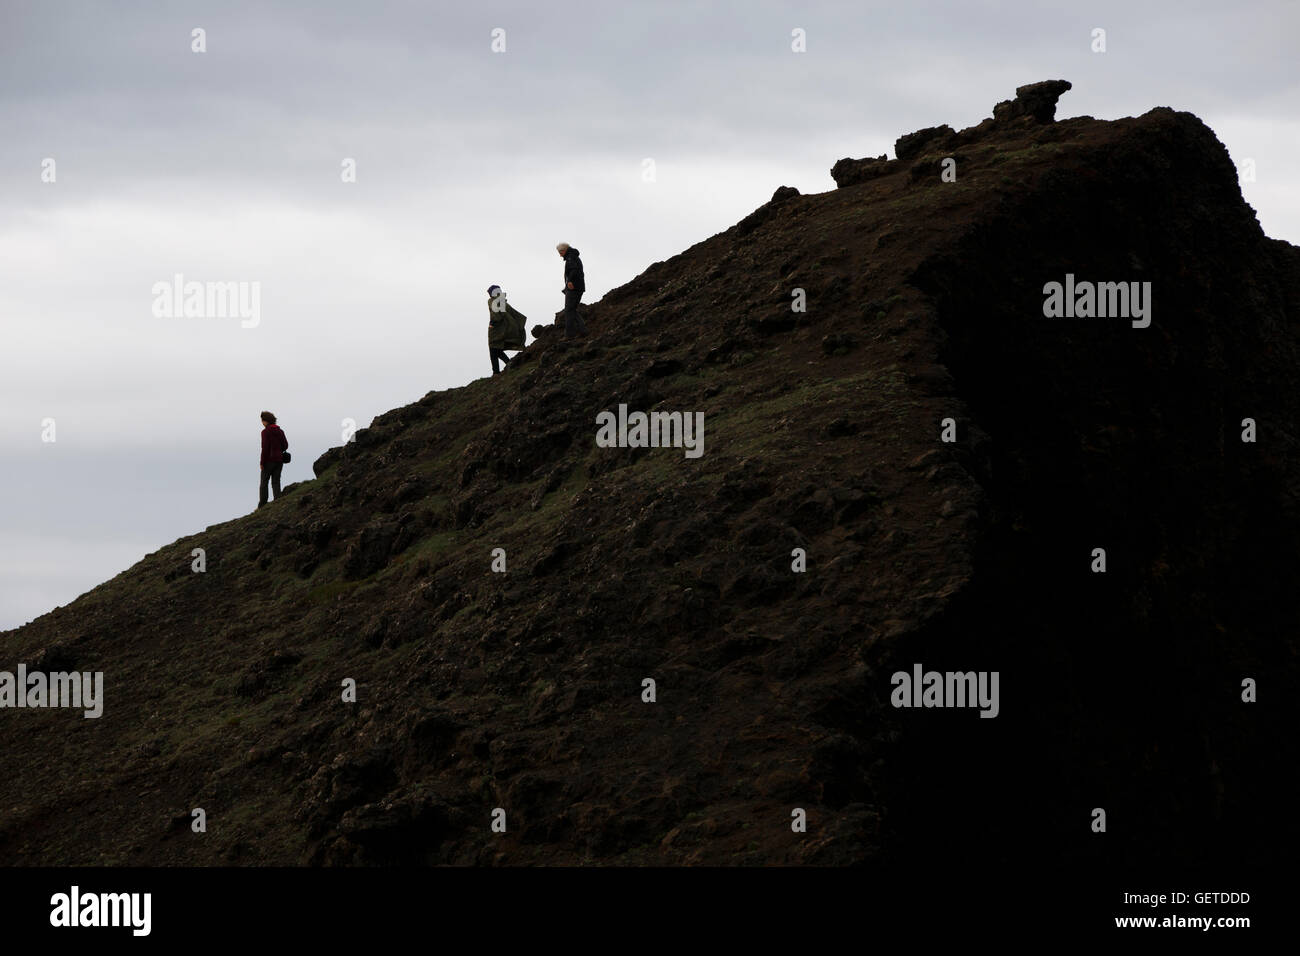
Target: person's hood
x=571 y=251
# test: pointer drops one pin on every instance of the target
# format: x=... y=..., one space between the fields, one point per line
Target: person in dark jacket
x=574 y=285
x=506 y=326
x=274 y=445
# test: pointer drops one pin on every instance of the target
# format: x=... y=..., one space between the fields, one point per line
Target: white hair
x=562 y=247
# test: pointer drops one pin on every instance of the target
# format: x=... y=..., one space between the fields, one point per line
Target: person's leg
x=573 y=324
x=275 y=477
x=498 y=354
x=577 y=316
x=261 y=493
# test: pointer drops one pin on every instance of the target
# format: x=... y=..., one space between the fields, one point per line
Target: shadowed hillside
x=523 y=690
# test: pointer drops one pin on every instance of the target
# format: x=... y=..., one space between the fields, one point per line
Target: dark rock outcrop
x=911 y=145
x=851 y=172
x=1036 y=101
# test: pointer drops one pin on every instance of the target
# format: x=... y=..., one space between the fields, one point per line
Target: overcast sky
x=227 y=165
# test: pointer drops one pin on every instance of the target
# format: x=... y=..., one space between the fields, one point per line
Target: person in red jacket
x=274 y=445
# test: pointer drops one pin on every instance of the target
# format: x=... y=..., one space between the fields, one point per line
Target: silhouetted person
x=574 y=285
x=506 y=327
x=274 y=445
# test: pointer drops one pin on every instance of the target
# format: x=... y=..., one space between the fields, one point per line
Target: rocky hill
x=924 y=289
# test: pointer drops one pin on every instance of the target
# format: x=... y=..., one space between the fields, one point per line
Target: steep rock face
x=1106 y=435
x=523 y=690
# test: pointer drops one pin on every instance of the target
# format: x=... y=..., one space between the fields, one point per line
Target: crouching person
x=506 y=328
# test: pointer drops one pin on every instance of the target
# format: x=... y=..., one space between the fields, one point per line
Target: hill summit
x=1016 y=404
